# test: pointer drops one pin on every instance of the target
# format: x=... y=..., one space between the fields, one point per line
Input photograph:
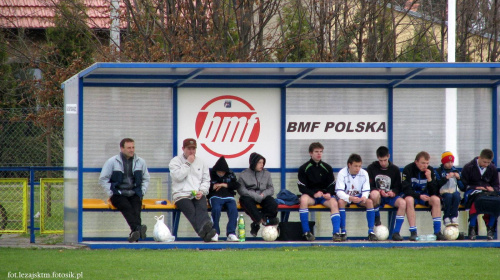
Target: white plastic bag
x=161 y=233
x=449 y=187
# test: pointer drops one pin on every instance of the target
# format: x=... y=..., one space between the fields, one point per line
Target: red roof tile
x=40 y=13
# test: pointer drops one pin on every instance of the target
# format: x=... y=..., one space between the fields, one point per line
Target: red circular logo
x=227 y=126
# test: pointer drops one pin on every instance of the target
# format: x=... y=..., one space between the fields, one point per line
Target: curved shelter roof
x=294 y=75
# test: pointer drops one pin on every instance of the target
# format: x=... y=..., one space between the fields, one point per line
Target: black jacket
x=229 y=178
x=415 y=183
x=314 y=177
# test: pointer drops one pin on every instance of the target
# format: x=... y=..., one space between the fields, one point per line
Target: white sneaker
x=454 y=221
x=232 y=238
x=446 y=222
x=215 y=238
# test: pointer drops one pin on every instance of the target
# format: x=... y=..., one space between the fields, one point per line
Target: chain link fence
x=13 y=205
x=27 y=142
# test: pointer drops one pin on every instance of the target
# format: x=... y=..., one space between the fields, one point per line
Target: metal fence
x=27 y=199
x=27 y=141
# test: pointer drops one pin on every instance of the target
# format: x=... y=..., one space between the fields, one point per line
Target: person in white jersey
x=353 y=186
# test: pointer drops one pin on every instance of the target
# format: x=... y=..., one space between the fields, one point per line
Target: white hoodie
x=188 y=177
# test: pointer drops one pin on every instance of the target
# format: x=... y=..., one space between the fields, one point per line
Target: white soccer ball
x=451 y=233
x=270 y=233
x=381 y=232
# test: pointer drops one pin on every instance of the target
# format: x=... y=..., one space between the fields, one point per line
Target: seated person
x=223 y=186
x=125 y=178
x=256 y=186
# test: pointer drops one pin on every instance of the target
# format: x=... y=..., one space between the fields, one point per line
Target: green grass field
x=281 y=263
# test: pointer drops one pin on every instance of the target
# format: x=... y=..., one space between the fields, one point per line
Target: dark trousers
x=451 y=202
x=232 y=213
x=195 y=211
x=268 y=204
x=131 y=209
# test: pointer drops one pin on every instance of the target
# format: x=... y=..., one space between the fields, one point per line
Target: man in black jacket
x=420 y=187
x=480 y=177
x=317 y=185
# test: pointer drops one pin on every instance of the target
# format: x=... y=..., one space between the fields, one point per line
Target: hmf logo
x=227 y=126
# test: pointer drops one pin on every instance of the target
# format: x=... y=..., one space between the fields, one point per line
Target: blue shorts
x=388 y=200
x=319 y=200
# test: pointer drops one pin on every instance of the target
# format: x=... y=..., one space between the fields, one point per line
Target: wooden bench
x=150 y=205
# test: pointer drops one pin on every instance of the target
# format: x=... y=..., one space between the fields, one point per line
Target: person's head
x=485 y=157
x=354 y=163
x=189 y=147
x=422 y=160
x=221 y=167
x=257 y=162
x=127 y=147
x=383 y=156
x=447 y=159
x=316 y=151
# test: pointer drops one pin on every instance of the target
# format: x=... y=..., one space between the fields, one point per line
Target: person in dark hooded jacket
x=223 y=186
x=256 y=187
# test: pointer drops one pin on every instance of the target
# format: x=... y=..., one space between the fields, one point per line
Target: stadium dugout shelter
x=277 y=110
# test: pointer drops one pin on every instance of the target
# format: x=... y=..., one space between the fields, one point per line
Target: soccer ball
x=451 y=233
x=270 y=233
x=381 y=232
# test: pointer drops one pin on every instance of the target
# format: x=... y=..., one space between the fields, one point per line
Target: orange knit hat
x=447 y=157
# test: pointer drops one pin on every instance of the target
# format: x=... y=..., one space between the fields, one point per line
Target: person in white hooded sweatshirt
x=190 y=184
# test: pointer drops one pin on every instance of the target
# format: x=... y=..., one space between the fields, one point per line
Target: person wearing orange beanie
x=449 y=181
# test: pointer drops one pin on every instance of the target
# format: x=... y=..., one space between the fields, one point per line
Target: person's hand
x=355 y=199
x=198 y=195
x=490 y=188
x=428 y=175
x=218 y=186
x=383 y=193
x=362 y=199
x=318 y=194
x=450 y=175
x=327 y=196
x=457 y=175
x=261 y=195
x=424 y=197
x=391 y=194
x=190 y=158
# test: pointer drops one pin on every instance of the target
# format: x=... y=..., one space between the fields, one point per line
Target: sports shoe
x=134 y=236
x=211 y=234
x=272 y=221
x=343 y=236
x=143 y=230
x=377 y=221
x=372 y=237
x=207 y=227
x=232 y=238
x=337 y=238
x=440 y=236
x=413 y=236
x=254 y=229
x=454 y=221
x=447 y=222
x=309 y=236
x=472 y=233
x=215 y=238
x=490 y=233
x=397 y=237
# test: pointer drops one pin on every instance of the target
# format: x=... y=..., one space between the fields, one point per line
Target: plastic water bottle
x=431 y=237
x=241 y=228
x=428 y=237
x=422 y=238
